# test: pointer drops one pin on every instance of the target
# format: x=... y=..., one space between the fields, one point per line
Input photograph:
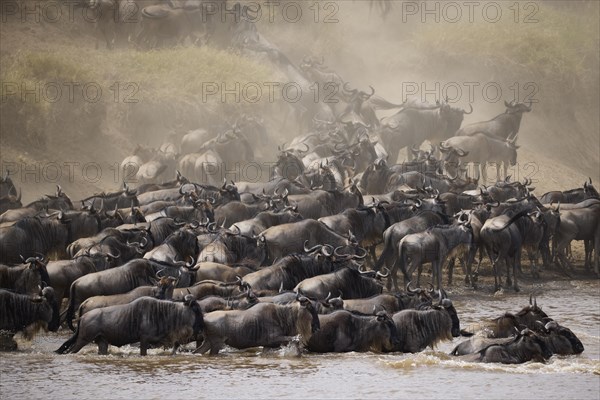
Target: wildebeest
x=292 y=269
x=391 y=303
x=570 y=196
x=10 y=202
x=434 y=246
x=149 y=321
x=163 y=290
x=582 y=222
x=506 y=325
x=59 y=201
x=394 y=234
x=267 y=219
x=25 y=278
x=418 y=329
x=343 y=331
x=559 y=340
x=63 y=273
x=504 y=237
x=265 y=324
x=285 y=239
x=526 y=346
x=219 y=272
x=411 y=126
x=351 y=283
x=137 y=272
x=502 y=126
x=33 y=236
x=482 y=150
x=28 y=313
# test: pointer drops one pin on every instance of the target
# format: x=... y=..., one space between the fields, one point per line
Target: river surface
x=35 y=371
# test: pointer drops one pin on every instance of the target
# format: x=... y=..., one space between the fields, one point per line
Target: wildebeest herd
x=300 y=258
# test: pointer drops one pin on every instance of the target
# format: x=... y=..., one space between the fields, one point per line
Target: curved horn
x=113 y=256
x=412 y=291
x=383 y=275
x=357 y=257
x=470 y=112
x=317 y=247
x=328 y=253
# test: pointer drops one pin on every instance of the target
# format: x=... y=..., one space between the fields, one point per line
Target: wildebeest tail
x=382 y=258
x=71 y=309
x=68 y=345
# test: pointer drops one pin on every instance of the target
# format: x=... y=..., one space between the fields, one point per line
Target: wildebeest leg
x=533 y=255
x=498 y=172
x=451 y=262
x=596 y=248
x=175 y=348
x=561 y=260
x=482 y=166
x=516 y=268
x=494 y=260
x=102 y=346
x=143 y=348
x=372 y=253
x=436 y=269
x=203 y=348
x=588 y=255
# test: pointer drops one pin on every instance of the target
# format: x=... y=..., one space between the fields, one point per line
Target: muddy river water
x=35 y=371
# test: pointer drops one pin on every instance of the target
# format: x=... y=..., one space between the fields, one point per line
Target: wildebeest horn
x=415 y=150
x=372 y=92
x=159 y=273
x=113 y=256
x=462 y=153
x=418 y=203
x=470 y=112
x=507 y=105
x=357 y=257
x=346 y=88
x=412 y=291
x=191 y=263
x=58 y=190
x=327 y=253
x=443 y=147
x=303 y=151
x=384 y=275
x=319 y=246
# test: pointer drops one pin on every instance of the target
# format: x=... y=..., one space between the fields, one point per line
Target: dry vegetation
x=560 y=53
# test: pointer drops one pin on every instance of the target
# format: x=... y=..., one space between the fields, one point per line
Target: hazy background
x=547 y=50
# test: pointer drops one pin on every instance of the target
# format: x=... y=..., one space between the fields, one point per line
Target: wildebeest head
x=589 y=190
x=530 y=342
x=516 y=108
x=447 y=305
x=229 y=192
x=308 y=308
x=7 y=187
x=390 y=336
x=452 y=116
x=289 y=165
x=48 y=295
x=190 y=301
x=560 y=339
x=33 y=277
x=165 y=286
